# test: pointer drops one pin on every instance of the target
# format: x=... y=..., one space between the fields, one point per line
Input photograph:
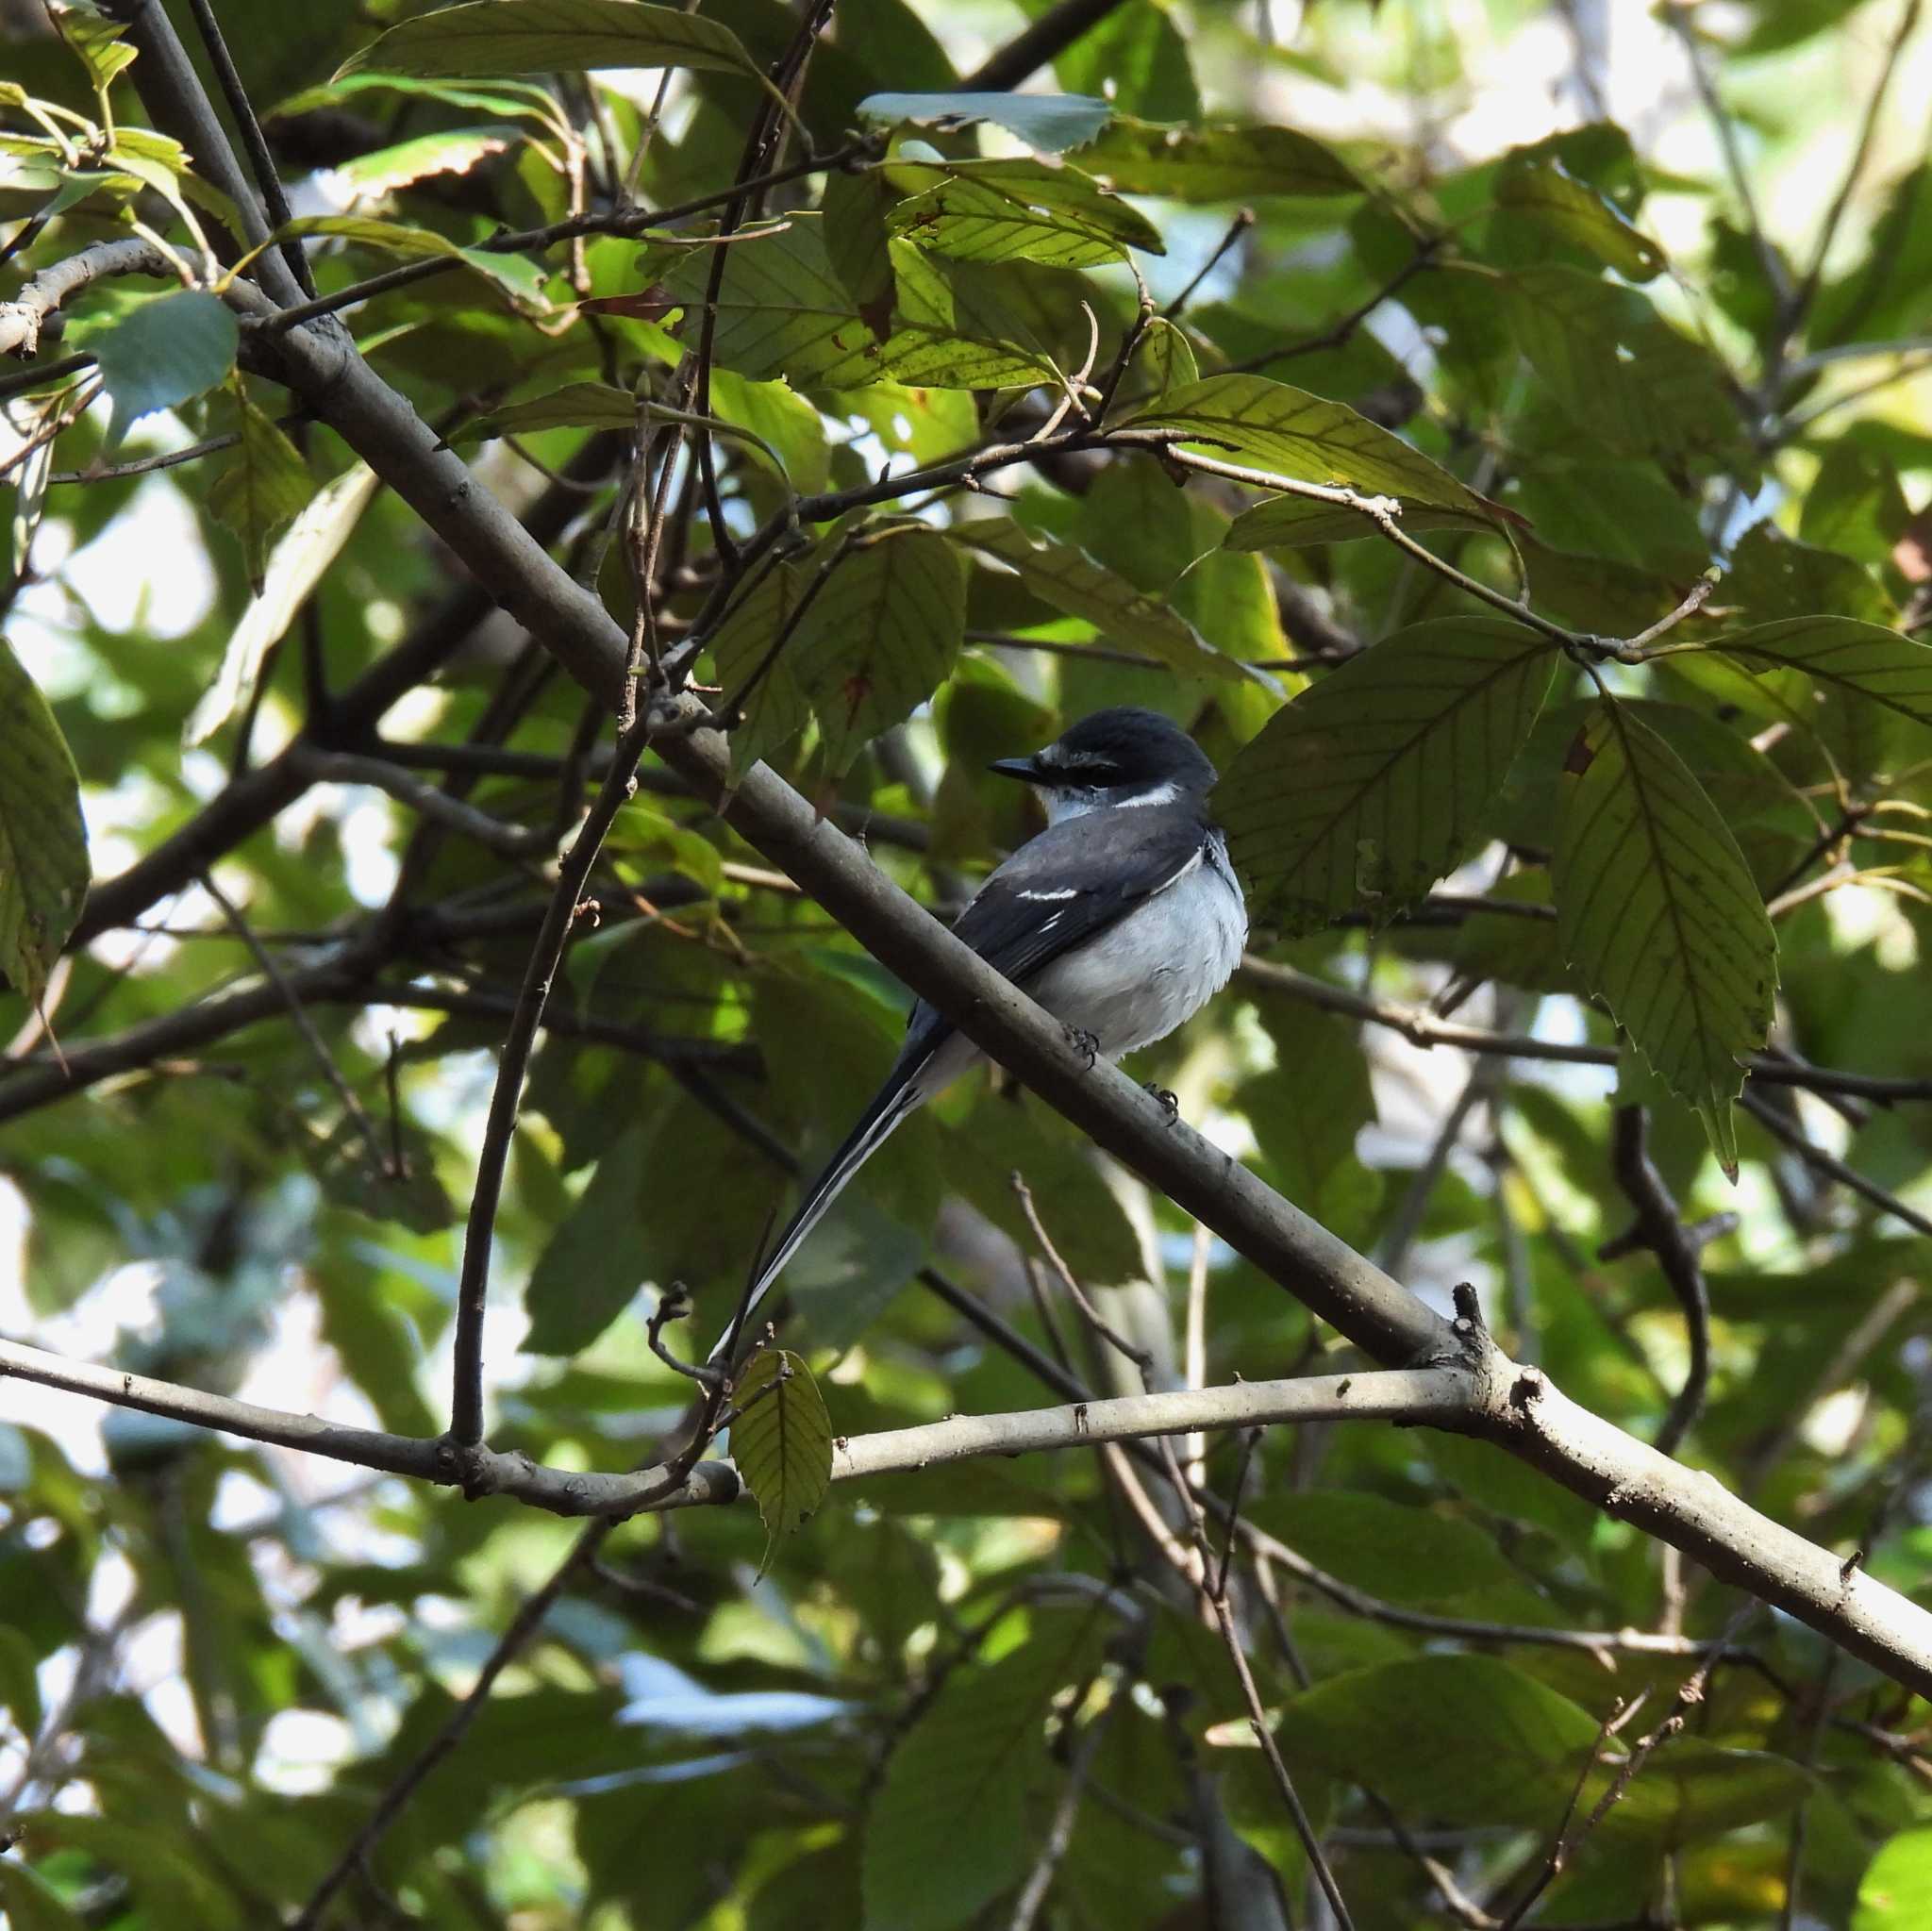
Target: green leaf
x=881 y=635
x=781 y=1439
x=296 y=564
x=263 y=485
x=1400 y=1552
x=1859 y=660
x=491 y=36
x=1308 y=1111
x=1657 y=908
x=589 y=1270
x=575 y=405
x=779 y=416
x=1071 y=580
x=1617 y=366
x=1375 y=781
x=1051 y=185
x=1576 y=212
x=783 y=311
x=954 y=1824
x=1292 y=523
x=1250 y=420
x=975 y=221
x=27 y=1905
x=455 y=151
x=1466 y=1739
x=158 y=352
x=93 y=37
x=1165 y=360
x=1047 y=122
x=522 y=99
x=521 y=280
x=1234 y=163
x=775 y=709
x=1896 y=1893
x=44 y=864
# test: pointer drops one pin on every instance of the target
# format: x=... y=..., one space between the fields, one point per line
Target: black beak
x=1022 y=768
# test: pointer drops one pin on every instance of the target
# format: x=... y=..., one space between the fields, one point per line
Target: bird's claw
x=1166 y=1099
x=1085 y=1043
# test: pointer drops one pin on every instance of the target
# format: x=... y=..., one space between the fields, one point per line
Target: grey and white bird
x=1122 y=918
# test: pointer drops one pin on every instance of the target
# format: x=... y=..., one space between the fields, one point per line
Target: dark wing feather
x=1066 y=887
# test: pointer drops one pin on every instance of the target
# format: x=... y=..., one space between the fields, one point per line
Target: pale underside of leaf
x=1864 y=660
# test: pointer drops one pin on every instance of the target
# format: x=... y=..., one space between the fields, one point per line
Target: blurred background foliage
x=1572 y=254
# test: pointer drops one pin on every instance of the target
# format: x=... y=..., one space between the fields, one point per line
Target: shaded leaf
x=491 y=36
x=1403 y=1554
x=44 y=863
x=1861 y=660
x=1617 y=366
x=1463 y=1738
x=296 y=564
x=771 y=701
x=880 y=637
x=1576 y=212
x=158 y=352
x=1214 y=163
x=1070 y=580
x=589 y=1268
x=949 y=1830
x=1288 y=522
x=263 y=485
x=575 y=405
x=1048 y=123
x=782 y=1438
x=1375 y=782
x=1657 y=908
x=1252 y=420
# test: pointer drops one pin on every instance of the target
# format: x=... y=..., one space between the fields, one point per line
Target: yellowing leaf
x=1657 y=908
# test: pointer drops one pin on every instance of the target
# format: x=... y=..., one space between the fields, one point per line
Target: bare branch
x=21 y=319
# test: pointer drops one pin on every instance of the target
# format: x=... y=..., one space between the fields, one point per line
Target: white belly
x=1157 y=967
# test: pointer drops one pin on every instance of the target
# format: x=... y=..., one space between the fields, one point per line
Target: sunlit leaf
x=1574 y=212
x=1657 y=908
x=454 y=152
x=520 y=279
x=1259 y=423
x=975 y=221
x=782 y=1438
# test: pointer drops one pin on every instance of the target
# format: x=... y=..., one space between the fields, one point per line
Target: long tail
x=898 y=1098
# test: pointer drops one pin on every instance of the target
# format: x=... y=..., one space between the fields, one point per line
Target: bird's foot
x=1166 y=1099
x=1085 y=1043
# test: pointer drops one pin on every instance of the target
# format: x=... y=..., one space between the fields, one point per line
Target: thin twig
x=318 y=1046
x=466 y=1411
x=1657 y=1226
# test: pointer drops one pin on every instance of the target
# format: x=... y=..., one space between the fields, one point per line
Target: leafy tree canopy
x=485 y=486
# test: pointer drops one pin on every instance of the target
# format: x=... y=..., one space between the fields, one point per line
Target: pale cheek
x=1064 y=804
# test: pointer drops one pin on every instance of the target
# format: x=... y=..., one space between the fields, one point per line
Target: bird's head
x=1120 y=756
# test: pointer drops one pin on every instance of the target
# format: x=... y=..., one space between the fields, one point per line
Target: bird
x=1122 y=918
